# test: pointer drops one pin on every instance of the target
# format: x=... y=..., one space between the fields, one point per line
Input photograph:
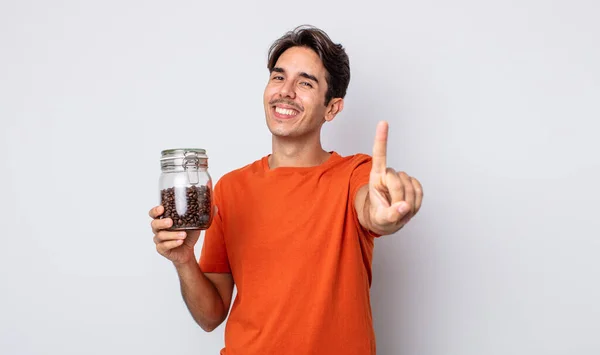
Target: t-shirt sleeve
x=358 y=179
x=213 y=257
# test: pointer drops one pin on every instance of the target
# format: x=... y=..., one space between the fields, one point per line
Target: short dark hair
x=333 y=55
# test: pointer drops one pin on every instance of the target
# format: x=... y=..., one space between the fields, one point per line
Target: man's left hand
x=394 y=197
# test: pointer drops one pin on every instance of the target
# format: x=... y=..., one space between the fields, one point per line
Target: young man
x=295 y=229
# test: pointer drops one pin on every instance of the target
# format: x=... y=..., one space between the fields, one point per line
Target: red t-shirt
x=299 y=258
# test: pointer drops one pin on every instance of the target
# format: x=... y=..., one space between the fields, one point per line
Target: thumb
x=396 y=212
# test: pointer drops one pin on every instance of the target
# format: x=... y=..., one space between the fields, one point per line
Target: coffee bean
x=198 y=207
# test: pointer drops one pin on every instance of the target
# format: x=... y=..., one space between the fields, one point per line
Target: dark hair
x=334 y=57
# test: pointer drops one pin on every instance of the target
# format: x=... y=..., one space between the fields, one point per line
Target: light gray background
x=493 y=105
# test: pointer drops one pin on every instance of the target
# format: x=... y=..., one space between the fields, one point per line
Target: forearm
x=365 y=221
x=361 y=204
x=201 y=296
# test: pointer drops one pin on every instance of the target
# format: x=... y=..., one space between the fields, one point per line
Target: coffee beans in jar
x=195 y=210
x=186 y=188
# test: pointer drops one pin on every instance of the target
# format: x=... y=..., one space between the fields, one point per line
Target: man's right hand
x=177 y=246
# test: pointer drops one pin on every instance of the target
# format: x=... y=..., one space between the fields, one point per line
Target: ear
x=336 y=105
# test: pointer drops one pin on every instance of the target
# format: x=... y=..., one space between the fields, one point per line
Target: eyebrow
x=302 y=74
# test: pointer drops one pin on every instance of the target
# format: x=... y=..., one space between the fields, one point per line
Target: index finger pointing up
x=380 y=148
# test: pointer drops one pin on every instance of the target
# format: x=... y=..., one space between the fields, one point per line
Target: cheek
x=268 y=94
x=310 y=102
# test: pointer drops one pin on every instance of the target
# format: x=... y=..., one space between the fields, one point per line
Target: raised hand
x=394 y=197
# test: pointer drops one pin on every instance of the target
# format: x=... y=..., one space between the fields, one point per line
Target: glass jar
x=186 y=188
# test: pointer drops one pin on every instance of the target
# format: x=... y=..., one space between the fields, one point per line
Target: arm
x=361 y=204
x=207 y=296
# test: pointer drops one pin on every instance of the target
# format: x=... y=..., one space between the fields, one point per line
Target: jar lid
x=183 y=158
x=182 y=151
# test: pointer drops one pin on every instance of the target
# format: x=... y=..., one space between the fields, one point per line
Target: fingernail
x=182 y=234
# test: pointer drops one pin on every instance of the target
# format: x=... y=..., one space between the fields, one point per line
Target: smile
x=285 y=112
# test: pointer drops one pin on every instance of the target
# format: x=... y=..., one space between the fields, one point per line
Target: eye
x=307 y=84
x=277 y=77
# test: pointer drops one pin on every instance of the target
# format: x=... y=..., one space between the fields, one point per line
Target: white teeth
x=284 y=111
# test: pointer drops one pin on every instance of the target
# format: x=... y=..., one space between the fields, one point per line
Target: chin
x=281 y=131
x=279 y=127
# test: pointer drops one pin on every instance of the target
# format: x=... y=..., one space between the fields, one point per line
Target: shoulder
x=355 y=160
x=240 y=174
x=357 y=168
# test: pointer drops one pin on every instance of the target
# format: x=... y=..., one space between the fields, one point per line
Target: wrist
x=189 y=263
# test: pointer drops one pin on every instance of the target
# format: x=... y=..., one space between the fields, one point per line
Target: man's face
x=294 y=97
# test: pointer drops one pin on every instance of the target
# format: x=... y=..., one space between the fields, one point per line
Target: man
x=295 y=229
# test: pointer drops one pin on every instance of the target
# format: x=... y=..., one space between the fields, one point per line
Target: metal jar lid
x=183 y=158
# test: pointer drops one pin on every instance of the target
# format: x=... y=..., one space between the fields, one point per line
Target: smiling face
x=294 y=97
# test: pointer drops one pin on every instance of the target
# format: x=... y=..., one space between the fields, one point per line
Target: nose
x=287 y=89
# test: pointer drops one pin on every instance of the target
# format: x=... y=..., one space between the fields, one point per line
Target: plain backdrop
x=492 y=105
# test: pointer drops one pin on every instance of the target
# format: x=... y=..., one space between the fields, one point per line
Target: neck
x=297 y=152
